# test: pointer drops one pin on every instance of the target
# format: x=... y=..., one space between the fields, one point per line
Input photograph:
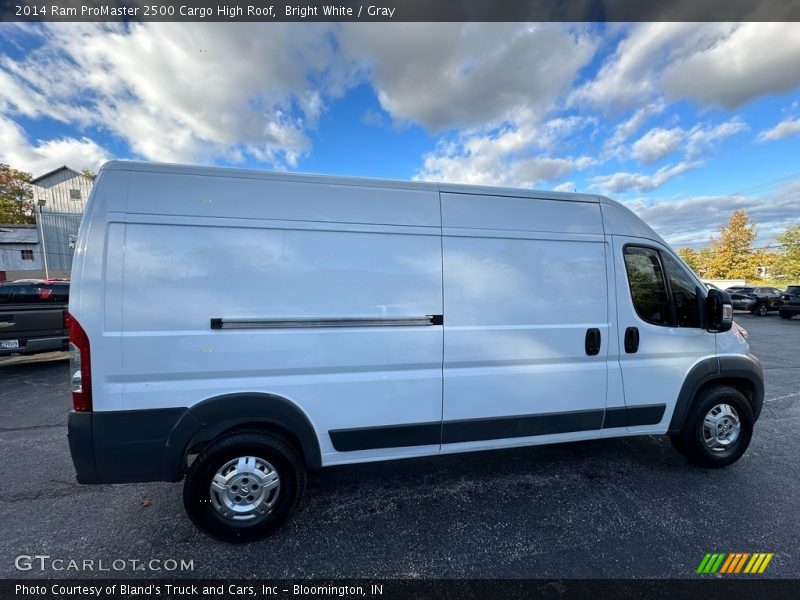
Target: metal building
x=20 y=257
x=60 y=198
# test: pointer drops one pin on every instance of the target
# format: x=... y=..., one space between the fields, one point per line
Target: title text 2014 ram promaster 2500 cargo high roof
x=235 y=328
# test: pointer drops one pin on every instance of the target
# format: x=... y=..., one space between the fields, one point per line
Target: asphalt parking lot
x=613 y=508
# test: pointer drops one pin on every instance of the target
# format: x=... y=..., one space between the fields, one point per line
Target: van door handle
x=592 y=342
x=631 y=340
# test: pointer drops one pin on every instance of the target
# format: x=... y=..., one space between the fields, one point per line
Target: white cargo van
x=235 y=328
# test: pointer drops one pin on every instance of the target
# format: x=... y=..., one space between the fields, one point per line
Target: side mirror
x=719 y=311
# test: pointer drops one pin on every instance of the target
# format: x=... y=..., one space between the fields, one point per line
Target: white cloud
x=518 y=154
x=567 y=186
x=721 y=64
x=752 y=60
x=40 y=157
x=694 y=143
x=630 y=75
x=701 y=137
x=462 y=75
x=691 y=221
x=181 y=92
x=656 y=144
x=641 y=182
x=783 y=129
x=625 y=129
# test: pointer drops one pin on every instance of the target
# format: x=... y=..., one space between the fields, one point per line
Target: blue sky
x=682 y=122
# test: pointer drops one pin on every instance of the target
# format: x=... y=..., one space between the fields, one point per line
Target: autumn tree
x=16 y=196
x=787 y=260
x=692 y=258
x=732 y=253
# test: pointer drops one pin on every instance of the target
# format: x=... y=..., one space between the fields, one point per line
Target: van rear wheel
x=243 y=486
x=718 y=428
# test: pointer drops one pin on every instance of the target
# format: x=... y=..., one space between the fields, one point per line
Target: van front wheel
x=718 y=428
x=243 y=486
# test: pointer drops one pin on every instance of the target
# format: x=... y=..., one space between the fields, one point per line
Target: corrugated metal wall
x=64 y=194
x=58 y=227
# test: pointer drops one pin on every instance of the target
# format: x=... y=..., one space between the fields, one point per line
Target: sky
x=683 y=122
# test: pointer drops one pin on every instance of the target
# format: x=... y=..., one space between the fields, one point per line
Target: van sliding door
x=526 y=321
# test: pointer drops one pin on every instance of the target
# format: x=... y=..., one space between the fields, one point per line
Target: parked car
x=790 y=302
x=33 y=316
x=380 y=320
x=757 y=300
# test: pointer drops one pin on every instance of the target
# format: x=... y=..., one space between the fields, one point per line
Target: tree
x=89 y=173
x=732 y=255
x=787 y=261
x=16 y=196
x=692 y=258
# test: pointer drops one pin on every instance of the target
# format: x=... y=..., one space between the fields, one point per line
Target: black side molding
x=473 y=430
x=393 y=436
x=634 y=416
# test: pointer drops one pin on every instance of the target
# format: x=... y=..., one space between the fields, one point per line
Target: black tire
x=761 y=309
x=694 y=445
x=785 y=315
x=277 y=451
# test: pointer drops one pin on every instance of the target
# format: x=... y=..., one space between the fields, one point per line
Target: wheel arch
x=743 y=372
x=229 y=413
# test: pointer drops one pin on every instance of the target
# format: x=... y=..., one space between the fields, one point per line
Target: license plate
x=9 y=344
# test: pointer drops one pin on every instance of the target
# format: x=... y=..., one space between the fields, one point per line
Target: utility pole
x=41 y=203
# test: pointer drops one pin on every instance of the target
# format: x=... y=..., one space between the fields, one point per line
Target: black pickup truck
x=33 y=316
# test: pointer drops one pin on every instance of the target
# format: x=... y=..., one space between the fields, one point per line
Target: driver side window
x=662 y=291
x=648 y=289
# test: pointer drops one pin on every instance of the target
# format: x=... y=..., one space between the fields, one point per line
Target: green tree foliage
x=732 y=253
x=787 y=261
x=89 y=173
x=16 y=196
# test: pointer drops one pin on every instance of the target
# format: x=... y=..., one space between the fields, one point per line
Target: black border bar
x=398 y=10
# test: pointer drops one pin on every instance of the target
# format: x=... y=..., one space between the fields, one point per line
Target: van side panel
x=180 y=272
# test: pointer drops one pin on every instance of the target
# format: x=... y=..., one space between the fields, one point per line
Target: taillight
x=80 y=366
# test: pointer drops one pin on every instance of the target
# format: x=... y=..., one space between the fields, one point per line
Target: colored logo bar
x=736 y=562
